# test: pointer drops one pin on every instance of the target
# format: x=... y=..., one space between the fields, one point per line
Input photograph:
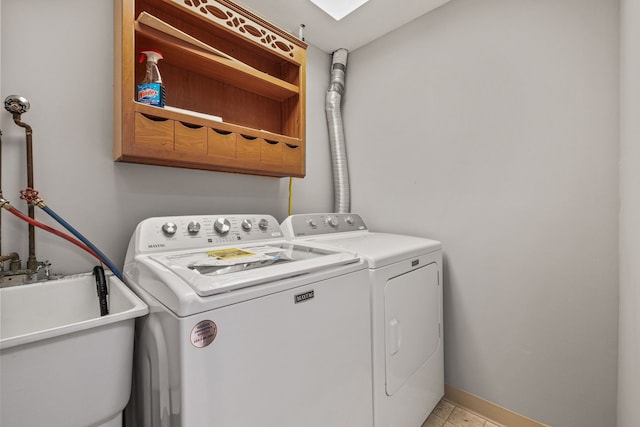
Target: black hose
x=101 y=285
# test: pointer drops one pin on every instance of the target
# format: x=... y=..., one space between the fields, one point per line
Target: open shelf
x=211 y=71
x=214 y=66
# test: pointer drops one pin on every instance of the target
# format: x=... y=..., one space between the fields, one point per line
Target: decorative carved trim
x=242 y=22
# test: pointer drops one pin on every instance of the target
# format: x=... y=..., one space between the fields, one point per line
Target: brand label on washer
x=203 y=333
x=303 y=297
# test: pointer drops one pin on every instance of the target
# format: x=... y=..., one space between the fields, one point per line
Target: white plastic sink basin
x=61 y=363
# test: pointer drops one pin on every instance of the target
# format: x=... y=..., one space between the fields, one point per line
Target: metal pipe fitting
x=13 y=256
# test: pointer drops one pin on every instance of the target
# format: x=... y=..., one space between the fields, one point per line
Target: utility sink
x=61 y=363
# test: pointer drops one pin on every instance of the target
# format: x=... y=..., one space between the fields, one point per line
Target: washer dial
x=222 y=226
x=169 y=228
x=193 y=227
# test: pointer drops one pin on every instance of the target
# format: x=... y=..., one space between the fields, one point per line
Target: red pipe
x=53 y=230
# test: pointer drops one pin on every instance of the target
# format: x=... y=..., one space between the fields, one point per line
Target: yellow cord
x=290 y=194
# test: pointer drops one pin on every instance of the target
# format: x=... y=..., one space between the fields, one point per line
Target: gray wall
x=490 y=125
x=493 y=126
x=59 y=54
x=629 y=353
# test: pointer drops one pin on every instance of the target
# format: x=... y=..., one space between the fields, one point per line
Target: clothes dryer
x=246 y=328
x=405 y=275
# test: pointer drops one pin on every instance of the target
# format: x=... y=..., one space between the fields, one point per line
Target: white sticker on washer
x=203 y=333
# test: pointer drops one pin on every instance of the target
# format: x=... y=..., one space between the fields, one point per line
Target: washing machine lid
x=217 y=270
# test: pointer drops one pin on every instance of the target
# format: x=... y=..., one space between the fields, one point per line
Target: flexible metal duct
x=342 y=197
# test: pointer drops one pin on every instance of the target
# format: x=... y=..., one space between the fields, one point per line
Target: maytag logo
x=303 y=297
x=155 y=245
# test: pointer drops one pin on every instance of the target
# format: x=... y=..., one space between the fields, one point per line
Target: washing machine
x=246 y=328
x=405 y=274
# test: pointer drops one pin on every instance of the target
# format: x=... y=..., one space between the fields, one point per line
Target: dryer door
x=412 y=313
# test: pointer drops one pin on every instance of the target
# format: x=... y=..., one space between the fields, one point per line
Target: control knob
x=222 y=226
x=246 y=224
x=263 y=224
x=193 y=227
x=332 y=221
x=169 y=228
x=312 y=223
x=349 y=220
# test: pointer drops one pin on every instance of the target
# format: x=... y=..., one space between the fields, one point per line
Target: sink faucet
x=44 y=270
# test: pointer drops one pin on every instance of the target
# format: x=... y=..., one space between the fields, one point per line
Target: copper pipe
x=1 y=196
x=32 y=263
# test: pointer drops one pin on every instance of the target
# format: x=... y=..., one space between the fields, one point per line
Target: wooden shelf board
x=226 y=70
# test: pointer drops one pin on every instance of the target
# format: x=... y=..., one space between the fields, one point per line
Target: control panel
x=327 y=223
x=191 y=232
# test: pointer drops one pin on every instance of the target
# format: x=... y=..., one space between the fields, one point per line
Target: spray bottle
x=151 y=91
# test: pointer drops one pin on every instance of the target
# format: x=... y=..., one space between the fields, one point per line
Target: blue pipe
x=84 y=240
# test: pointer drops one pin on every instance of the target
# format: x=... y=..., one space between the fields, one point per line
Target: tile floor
x=446 y=414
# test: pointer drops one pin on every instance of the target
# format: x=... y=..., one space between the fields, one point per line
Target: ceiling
x=372 y=20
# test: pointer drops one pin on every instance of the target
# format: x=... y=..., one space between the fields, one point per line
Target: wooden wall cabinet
x=219 y=60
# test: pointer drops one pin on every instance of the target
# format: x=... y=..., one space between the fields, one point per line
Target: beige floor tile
x=443 y=409
x=448 y=424
x=490 y=424
x=461 y=418
x=434 y=421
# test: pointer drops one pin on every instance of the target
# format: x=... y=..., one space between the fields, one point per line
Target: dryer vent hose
x=342 y=197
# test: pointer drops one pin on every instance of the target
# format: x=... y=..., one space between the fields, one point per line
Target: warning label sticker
x=229 y=253
x=203 y=333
